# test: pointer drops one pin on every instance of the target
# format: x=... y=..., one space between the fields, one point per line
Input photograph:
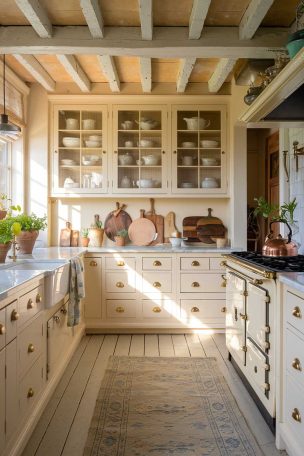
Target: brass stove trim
x=249 y=267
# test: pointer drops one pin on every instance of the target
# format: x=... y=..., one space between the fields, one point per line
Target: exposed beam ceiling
x=224 y=67
x=93 y=17
x=145 y=73
x=33 y=66
x=186 y=67
x=37 y=17
x=109 y=69
x=173 y=42
x=146 y=19
x=197 y=18
x=253 y=17
x=76 y=72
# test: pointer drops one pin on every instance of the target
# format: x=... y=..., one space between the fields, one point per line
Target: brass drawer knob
x=297 y=312
x=296 y=364
x=119 y=285
x=224 y=282
x=267 y=345
x=267 y=329
x=120 y=263
x=257 y=282
x=14 y=315
x=224 y=309
x=243 y=316
x=119 y=309
x=2 y=329
x=63 y=310
x=30 y=348
x=296 y=415
x=38 y=298
x=56 y=318
x=30 y=304
x=195 y=309
x=30 y=392
x=156 y=284
x=244 y=348
x=93 y=263
x=156 y=309
x=195 y=263
x=223 y=264
x=157 y=263
x=195 y=284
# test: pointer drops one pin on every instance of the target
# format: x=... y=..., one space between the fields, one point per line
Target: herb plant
x=31 y=222
x=122 y=233
x=8 y=229
x=274 y=212
x=85 y=232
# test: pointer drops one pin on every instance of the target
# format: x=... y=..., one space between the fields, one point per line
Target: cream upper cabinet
x=140 y=149
x=199 y=149
x=80 y=149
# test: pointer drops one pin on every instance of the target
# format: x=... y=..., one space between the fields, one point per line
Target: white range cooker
x=251 y=294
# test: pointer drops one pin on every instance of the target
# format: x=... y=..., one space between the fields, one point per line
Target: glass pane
x=69 y=120
x=91 y=120
x=3 y=168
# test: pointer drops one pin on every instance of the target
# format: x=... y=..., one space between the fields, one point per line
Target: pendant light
x=6 y=128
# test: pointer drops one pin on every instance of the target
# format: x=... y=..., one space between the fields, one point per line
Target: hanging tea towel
x=77 y=290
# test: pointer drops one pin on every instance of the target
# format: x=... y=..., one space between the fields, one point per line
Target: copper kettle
x=279 y=246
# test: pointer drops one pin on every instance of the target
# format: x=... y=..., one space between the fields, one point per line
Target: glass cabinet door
x=139 y=164
x=199 y=158
x=80 y=164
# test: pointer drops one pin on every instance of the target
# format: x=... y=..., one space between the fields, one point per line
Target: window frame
x=8 y=167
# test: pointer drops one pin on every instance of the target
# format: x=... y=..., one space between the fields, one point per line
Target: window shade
x=13 y=103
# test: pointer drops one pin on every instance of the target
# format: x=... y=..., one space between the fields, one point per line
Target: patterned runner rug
x=167 y=406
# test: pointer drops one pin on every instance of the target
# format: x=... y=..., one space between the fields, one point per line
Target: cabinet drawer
x=204 y=310
x=30 y=387
x=201 y=283
x=120 y=282
x=121 y=308
x=2 y=328
x=294 y=410
x=256 y=362
x=194 y=264
x=215 y=264
x=295 y=311
x=11 y=318
x=157 y=281
x=157 y=308
x=157 y=264
x=30 y=304
x=120 y=263
x=2 y=400
x=295 y=357
x=30 y=343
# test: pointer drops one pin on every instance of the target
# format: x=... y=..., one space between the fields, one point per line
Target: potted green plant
x=120 y=238
x=8 y=229
x=5 y=207
x=30 y=227
x=84 y=239
x=274 y=212
x=96 y=232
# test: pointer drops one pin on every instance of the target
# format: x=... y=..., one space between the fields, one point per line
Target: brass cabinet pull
x=224 y=282
x=2 y=329
x=30 y=348
x=296 y=415
x=195 y=309
x=63 y=310
x=38 y=298
x=296 y=364
x=223 y=264
x=195 y=263
x=195 y=284
x=257 y=282
x=267 y=345
x=56 y=318
x=243 y=316
x=30 y=392
x=93 y=263
x=156 y=309
x=120 y=263
x=14 y=315
x=156 y=263
x=297 y=312
x=156 y=284
x=30 y=304
x=266 y=386
x=119 y=285
x=244 y=348
x=267 y=367
x=267 y=329
x=224 y=309
x=119 y=309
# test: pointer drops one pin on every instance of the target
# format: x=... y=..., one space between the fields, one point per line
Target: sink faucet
x=15 y=248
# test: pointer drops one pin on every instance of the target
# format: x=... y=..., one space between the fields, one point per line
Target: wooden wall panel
x=120 y=12
x=127 y=68
x=165 y=70
x=203 y=70
x=282 y=12
x=226 y=12
x=171 y=12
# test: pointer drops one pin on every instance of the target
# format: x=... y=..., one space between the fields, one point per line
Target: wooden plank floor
x=63 y=427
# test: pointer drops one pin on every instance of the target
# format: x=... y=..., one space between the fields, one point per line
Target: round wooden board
x=113 y=224
x=142 y=232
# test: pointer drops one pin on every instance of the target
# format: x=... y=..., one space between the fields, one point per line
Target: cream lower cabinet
x=2 y=400
x=148 y=291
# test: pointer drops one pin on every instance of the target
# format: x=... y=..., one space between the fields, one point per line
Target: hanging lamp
x=6 y=128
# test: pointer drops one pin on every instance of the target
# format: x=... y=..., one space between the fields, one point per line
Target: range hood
x=291 y=109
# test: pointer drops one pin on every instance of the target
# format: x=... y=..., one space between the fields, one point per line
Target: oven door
x=235 y=317
x=258 y=316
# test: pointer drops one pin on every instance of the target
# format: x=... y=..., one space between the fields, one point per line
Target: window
x=5 y=168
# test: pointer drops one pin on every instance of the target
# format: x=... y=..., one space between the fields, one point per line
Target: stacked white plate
x=209 y=161
x=209 y=143
x=69 y=141
x=67 y=162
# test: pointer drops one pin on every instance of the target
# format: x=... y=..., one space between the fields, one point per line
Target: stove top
x=276 y=264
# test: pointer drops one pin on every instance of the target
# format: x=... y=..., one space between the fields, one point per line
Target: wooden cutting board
x=169 y=226
x=190 y=228
x=158 y=221
x=66 y=235
x=117 y=220
x=75 y=238
x=209 y=219
x=142 y=231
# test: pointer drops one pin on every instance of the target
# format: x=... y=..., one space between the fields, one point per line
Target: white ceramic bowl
x=145 y=183
x=95 y=137
x=67 y=161
x=209 y=143
x=88 y=124
x=72 y=124
x=209 y=161
x=146 y=143
x=187 y=185
x=150 y=160
x=125 y=160
x=209 y=182
x=68 y=141
x=188 y=144
x=71 y=185
x=175 y=241
x=91 y=143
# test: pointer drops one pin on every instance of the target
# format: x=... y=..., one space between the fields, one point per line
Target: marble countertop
x=12 y=278
x=293 y=280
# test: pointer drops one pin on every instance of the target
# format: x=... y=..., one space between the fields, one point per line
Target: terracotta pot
x=2 y=214
x=4 y=248
x=85 y=241
x=120 y=241
x=96 y=237
x=26 y=241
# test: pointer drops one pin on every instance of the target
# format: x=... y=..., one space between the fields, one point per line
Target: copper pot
x=279 y=246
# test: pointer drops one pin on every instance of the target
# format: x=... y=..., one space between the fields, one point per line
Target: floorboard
x=137 y=345
x=165 y=345
x=151 y=345
x=194 y=346
x=180 y=345
x=123 y=345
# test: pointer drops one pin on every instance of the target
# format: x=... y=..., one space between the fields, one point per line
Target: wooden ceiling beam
x=185 y=69
x=146 y=19
x=71 y=65
x=168 y=42
x=92 y=14
x=146 y=73
x=37 y=17
x=109 y=70
x=37 y=71
x=197 y=18
x=223 y=68
x=253 y=17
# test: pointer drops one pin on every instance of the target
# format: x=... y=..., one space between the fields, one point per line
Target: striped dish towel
x=77 y=290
